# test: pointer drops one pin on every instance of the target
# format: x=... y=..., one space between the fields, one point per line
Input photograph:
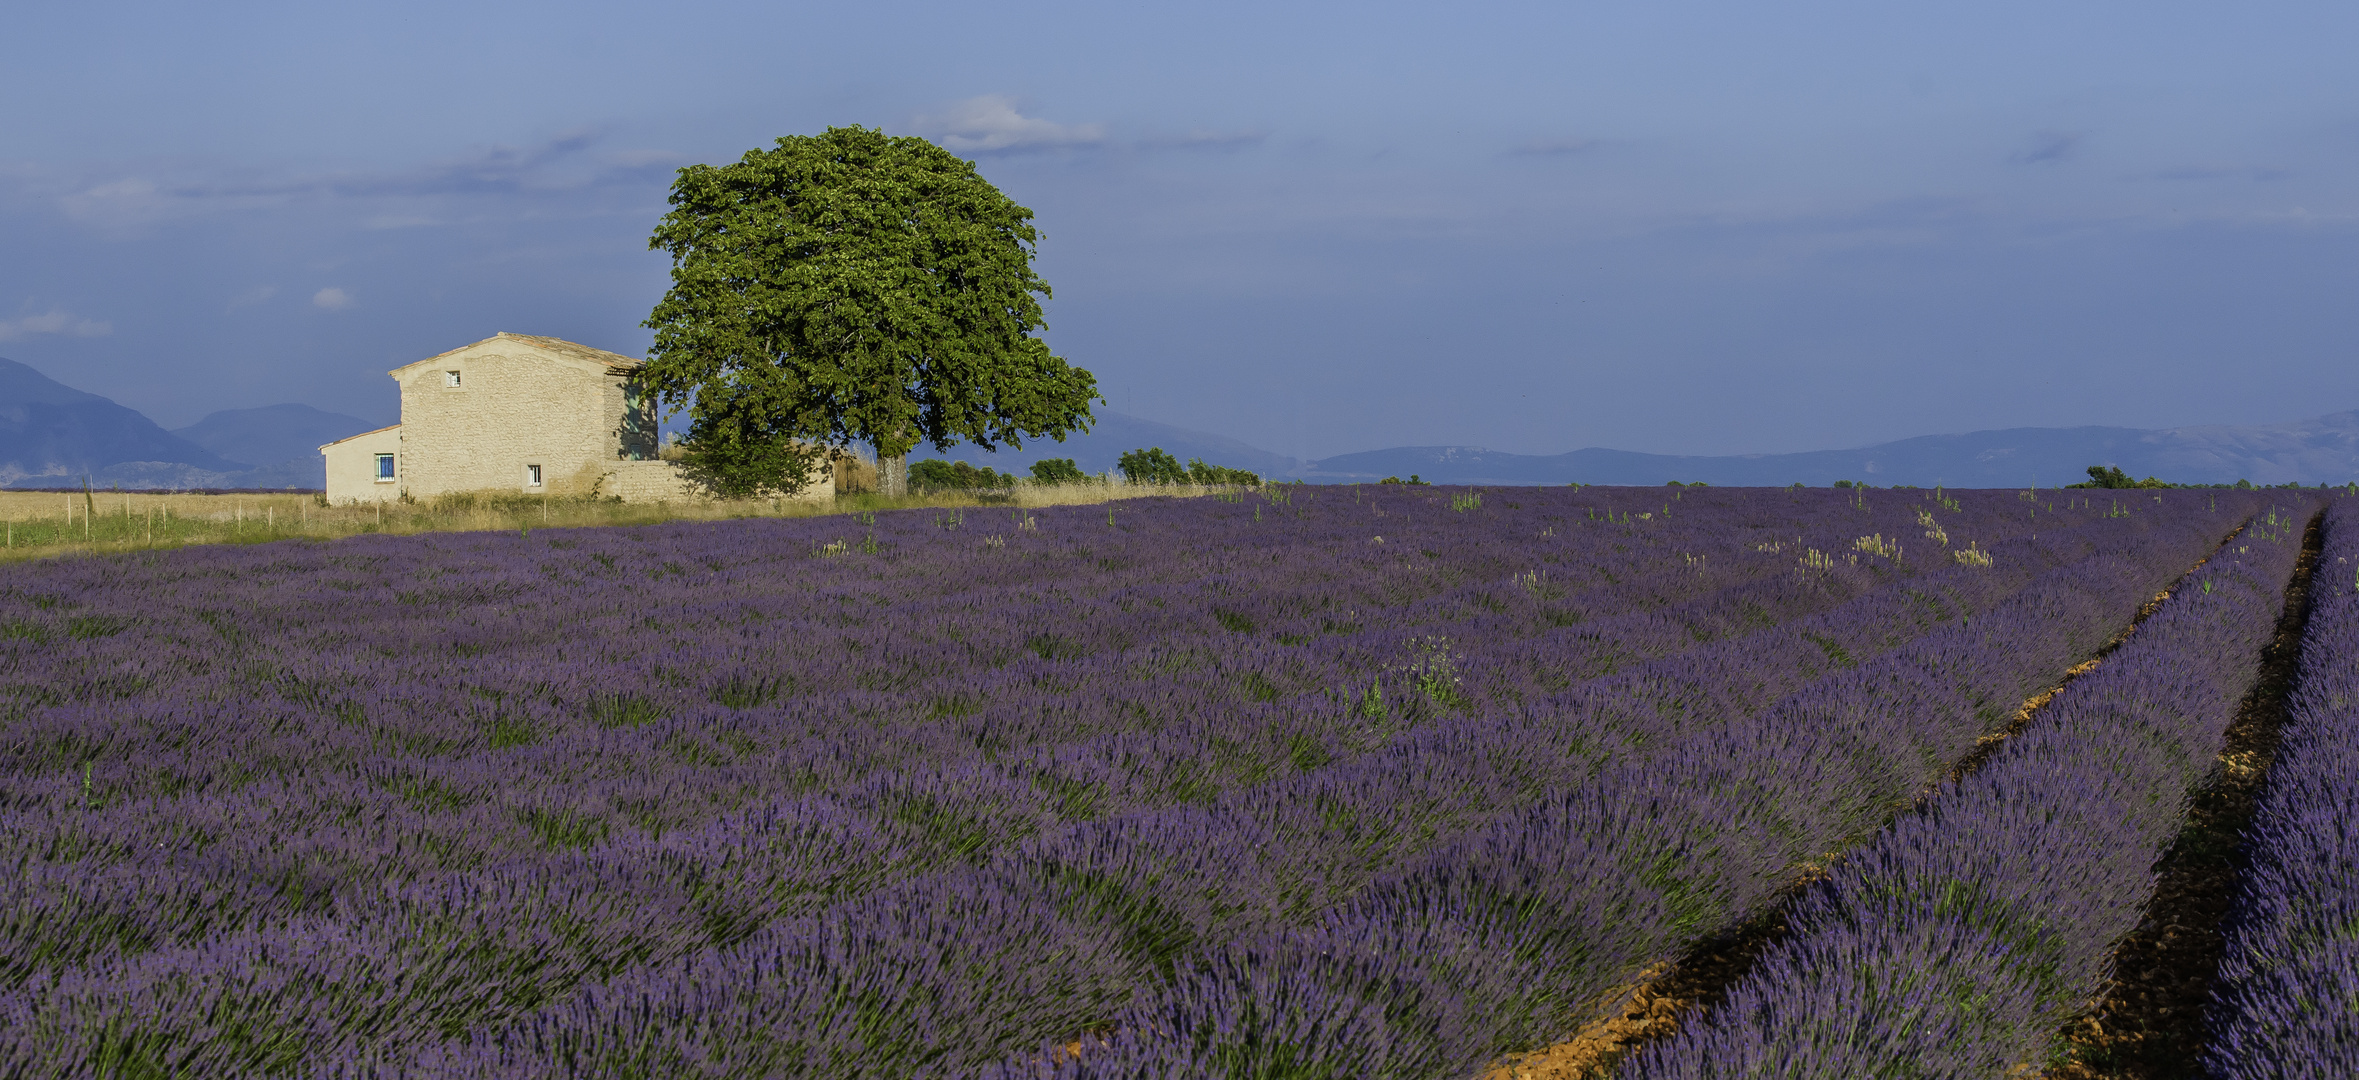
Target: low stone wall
x=646 y=481
x=661 y=481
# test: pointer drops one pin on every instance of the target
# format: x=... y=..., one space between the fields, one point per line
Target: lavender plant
x=2287 y=1004
x=659 y=799
x=1956 y=942
x=1485 y=943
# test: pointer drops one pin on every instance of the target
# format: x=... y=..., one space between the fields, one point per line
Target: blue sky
x=1669 y=227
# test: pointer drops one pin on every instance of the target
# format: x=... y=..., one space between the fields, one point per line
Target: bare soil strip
x=1653 y=1005
x=2149 y=1023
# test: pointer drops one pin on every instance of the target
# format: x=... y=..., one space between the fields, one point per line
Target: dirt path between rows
x=1655 y=1002
x=2149 y=1023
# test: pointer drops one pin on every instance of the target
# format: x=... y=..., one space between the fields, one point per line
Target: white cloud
x=991 y=122
x=56 y=322
x=331 y=299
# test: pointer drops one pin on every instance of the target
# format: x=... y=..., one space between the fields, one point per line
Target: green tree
x=851 y=287
x=934 y=474
x=1057 y=470
x=1151 y=466
x=1210 y=475
x=2109 y=476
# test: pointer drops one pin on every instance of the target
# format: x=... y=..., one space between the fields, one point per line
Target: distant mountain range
x=2324 y=449
x=52 y=435
x=1113 y=434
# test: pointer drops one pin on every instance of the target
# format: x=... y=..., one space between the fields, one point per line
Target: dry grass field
x=40 y=524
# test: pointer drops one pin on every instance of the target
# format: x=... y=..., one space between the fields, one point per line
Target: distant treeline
x=1146 y=466
x=935 y=474
x=2107 y=476
x=1154 y=466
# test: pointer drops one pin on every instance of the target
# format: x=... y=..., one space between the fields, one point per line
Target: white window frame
x=450 y=380
x=532 y=476
x=384 y=475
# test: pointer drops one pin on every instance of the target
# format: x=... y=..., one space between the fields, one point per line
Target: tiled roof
x=555 y=345
x=349 y=438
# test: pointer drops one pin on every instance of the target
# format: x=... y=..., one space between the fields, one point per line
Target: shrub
x=1200 y=473
x=2108 y=476
x=1152 y=466
x=1057 y=470
x=934 y=474
x=1156 y=466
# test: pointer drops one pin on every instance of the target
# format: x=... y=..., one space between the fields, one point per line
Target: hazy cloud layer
x=53 y=322
x=1206 y=139
x=991 y=123
x=181 y=190
x=2224 y=172
x=2048 y=146
x=331 y=299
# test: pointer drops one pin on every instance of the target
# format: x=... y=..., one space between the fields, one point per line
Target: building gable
x=553 y=350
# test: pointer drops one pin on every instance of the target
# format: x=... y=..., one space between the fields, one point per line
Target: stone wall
x=352 y=467
x=661 y=481
x=646 y=481
x=515 y=406
x=517 y=414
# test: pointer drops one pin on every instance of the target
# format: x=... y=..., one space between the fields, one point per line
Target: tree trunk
x=892 y=473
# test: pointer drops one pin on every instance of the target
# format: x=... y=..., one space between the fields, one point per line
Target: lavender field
x=2288 y=1001
x=1303 y=782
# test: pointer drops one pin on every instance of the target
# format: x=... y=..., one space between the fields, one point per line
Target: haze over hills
x=2322 y=449
x=281 y=441
x=52 y=435
x=1114 y=434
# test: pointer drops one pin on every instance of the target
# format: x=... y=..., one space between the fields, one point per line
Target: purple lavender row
x=117 y=827
x=1334 y=826
x=930 y=676
x=1113 y=906
x=2287 y=1004
x=717 y=869
x=632 y=916
x=1489 y=944
x=443 y=707
x=210 y=882
x=1958 y=941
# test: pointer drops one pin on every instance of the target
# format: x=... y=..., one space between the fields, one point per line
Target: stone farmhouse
x=515 y=413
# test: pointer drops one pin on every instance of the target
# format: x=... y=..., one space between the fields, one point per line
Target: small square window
x=384 y=467
x=532 y=476
x=450 y=378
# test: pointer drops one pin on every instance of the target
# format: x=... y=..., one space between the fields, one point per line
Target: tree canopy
x=2110 y=476
x=1156 y=466
x=851 y=287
